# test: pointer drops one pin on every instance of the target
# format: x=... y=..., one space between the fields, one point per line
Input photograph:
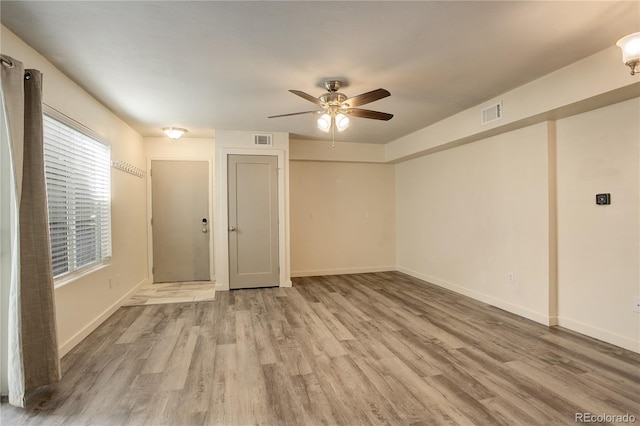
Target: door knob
x=232 y=228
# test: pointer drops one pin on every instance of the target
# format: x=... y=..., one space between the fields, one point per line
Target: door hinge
x=153 y=270
x=151 y=221
x=150 y=172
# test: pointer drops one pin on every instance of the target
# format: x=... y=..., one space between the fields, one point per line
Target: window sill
x=76 y=275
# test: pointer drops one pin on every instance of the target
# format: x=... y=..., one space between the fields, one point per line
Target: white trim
x=74 y=124
x=222 y=222
x=342 y=271
x=210 y=188
x=70 y=277
x=65 y=347
x=600 y=334
x=493 y=301
x=70 y=146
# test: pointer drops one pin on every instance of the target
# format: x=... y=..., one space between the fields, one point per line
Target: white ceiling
x=210 y=64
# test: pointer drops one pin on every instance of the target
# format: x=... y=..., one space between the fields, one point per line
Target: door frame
x=221 y=233
x=209 y=162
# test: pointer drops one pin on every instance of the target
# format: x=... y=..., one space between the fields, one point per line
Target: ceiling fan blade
x=306 y=96
x=366 y=98
x=366 y=113
x=295 y=113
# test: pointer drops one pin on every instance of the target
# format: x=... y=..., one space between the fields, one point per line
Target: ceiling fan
x=336 y=107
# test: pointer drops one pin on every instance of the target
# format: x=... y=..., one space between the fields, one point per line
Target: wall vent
x=491 y=113
x=262 y=140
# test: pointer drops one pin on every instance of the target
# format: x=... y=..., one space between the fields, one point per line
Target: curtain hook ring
x=6 y=61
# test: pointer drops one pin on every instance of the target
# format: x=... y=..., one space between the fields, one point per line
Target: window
x=77 y=166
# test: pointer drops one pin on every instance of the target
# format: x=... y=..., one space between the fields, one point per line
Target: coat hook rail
x=128 y=168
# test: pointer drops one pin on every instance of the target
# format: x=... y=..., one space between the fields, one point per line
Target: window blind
x=77 y=168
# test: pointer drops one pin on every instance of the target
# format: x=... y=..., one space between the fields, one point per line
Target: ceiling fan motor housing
x=332 y=85
x=333 y=98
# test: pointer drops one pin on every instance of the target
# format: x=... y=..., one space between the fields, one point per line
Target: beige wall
x=84 y=303
x=598 y=246
x=316 y=150
x=342 y=218
x=185 y=147
x=469 y=216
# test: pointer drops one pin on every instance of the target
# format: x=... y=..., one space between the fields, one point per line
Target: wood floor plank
x=405 y=404
x=374 y=349
x=180 y=360
x=336 y=328
x=317 y=408
x=585 y=401
x=438 y=409
x=280 y=392
x=528 y=395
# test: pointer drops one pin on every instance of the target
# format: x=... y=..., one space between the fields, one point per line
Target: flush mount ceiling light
x=630 y=46
x=174 y=132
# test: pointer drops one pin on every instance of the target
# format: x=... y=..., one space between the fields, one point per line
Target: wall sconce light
x=174 y=132
x=630 y=46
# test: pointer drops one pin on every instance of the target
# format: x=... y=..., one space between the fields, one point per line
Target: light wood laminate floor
x=364 y=349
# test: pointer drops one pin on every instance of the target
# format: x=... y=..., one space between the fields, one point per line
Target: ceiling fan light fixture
x=342 y=122
x=630 y=46
x=324 y=123
x=174 y=132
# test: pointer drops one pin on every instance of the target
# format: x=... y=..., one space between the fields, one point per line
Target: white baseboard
x=288 y=283
x=493 y=301
x=577 y=326
x=600 y=334
x=80 y=335
x=343 y=271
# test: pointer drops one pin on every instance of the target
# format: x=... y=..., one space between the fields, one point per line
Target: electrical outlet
x=636 y=306
x=510 y=279
x=112 y=282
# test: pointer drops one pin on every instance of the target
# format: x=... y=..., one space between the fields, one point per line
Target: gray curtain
x=33 y=348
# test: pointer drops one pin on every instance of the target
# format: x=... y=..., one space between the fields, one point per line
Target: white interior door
x=180 y=222
x=253 y=221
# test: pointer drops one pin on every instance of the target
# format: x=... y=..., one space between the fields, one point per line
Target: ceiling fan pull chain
x=333 y=134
